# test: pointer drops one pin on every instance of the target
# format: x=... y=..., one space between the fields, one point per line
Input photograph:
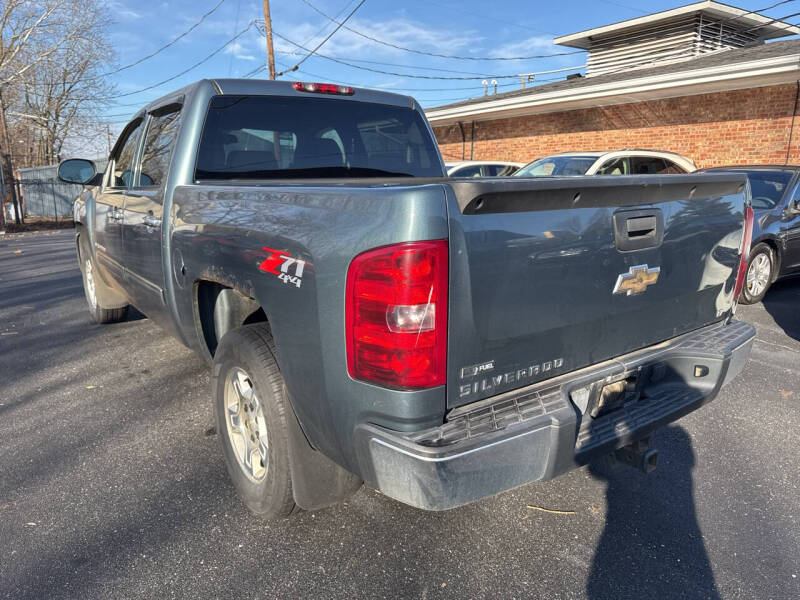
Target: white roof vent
x=674 y=35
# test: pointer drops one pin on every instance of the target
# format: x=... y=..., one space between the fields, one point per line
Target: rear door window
x=648 y=165
x=672 y=168
x=267 y=137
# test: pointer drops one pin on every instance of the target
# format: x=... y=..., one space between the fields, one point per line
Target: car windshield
x=268 y=137
x=767 y=187
x=557 y=165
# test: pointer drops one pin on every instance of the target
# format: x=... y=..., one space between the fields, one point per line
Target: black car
x=775 y=251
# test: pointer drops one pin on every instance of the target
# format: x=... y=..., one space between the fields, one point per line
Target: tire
x=88 y=270
x=252 y=409
x=760 y=274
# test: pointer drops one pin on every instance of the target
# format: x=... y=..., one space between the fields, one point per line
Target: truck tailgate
x=551 y=275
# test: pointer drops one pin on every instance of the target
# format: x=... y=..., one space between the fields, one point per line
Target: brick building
x=700 y=80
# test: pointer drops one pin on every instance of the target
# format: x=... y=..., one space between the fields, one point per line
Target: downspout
x=791 y=127
x=472 y=140
x=463 y=139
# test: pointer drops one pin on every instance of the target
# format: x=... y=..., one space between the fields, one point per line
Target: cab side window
x=470 y=171
x=647 y=165
x=122 y=173
x=672 y=168
x=616 y=166
x=161 y=134
x=652 y=165
x=501 y=170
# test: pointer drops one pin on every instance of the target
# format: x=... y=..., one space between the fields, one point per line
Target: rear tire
x=88 y=272
x=252 y=410
x=760 y=274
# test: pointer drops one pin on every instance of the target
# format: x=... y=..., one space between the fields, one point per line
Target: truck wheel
x=759 y=274
x=251 y=409
x=99 y=314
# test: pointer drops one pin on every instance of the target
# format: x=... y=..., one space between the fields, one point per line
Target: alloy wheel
x=247 y=427
x=758 y=274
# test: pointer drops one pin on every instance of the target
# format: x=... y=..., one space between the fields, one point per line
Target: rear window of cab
x=268 y=137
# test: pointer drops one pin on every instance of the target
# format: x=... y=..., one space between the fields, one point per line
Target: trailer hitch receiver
x=638 y=455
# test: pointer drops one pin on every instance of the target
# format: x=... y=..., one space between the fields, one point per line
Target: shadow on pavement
x=652 y=546
x=781 y=303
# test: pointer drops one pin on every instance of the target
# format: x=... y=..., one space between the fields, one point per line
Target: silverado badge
x=636 y=280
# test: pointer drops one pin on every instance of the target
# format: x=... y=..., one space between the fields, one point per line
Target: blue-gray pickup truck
x=369 y=320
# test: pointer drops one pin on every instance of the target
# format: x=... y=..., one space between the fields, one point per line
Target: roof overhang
x=740 y=75
x=768 y=29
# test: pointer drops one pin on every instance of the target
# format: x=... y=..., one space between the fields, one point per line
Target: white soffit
x=742 y=75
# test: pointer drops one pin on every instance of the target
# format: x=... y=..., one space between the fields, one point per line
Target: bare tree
x=65 y=92
x=53 y=57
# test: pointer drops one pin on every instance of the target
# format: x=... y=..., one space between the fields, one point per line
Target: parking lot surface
x=112 y=483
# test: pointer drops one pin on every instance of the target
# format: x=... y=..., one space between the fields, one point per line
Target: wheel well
x=219 y=308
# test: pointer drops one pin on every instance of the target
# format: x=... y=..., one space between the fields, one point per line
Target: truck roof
x=265 y=87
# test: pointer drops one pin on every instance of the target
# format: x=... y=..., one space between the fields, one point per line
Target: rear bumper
x=544 y=430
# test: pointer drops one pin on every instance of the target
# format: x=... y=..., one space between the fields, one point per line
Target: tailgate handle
x=638 y=229
x=641 y=226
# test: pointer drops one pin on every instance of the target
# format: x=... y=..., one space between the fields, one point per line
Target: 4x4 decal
x=279 y=263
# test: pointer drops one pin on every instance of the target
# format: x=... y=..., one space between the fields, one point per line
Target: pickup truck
x=369 y=320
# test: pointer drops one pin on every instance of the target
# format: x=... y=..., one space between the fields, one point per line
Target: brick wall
x=736 y=127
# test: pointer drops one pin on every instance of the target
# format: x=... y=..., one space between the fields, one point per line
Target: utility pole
x=268 y=32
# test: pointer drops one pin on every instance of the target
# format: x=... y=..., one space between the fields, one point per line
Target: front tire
x=99 y=314
x=760 y=274
x=252 y=411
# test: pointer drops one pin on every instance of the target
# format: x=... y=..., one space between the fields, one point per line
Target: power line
x=149 y=56
x=167 y=45
x=473 y=88
x=329 y=36
x=324 y=27
x=771 y=21
x=756 y=11
x=388 y=64
x=398 y=47
x=413 y=76
x=194 y=66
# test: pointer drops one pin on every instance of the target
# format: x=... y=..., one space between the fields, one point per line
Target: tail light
x=396 y=315
x=747 y=237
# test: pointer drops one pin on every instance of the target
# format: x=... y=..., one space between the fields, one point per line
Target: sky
x=460 y=28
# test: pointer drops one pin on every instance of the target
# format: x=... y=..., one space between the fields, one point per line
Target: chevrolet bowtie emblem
x=636 y=280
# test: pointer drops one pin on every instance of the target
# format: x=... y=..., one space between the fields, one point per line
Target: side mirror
x=76 y=170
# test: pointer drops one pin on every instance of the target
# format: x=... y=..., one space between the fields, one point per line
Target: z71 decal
x=280 y=263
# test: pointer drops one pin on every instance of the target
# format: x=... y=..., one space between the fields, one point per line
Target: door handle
x=151 y=221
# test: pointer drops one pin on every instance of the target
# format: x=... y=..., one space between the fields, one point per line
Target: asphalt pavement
x=112 y=483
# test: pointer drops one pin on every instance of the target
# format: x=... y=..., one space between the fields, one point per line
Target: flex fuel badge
x=288 y=268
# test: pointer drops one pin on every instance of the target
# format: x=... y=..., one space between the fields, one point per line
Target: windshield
x=267 y=137
x=557 y=165
x=766 y=187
